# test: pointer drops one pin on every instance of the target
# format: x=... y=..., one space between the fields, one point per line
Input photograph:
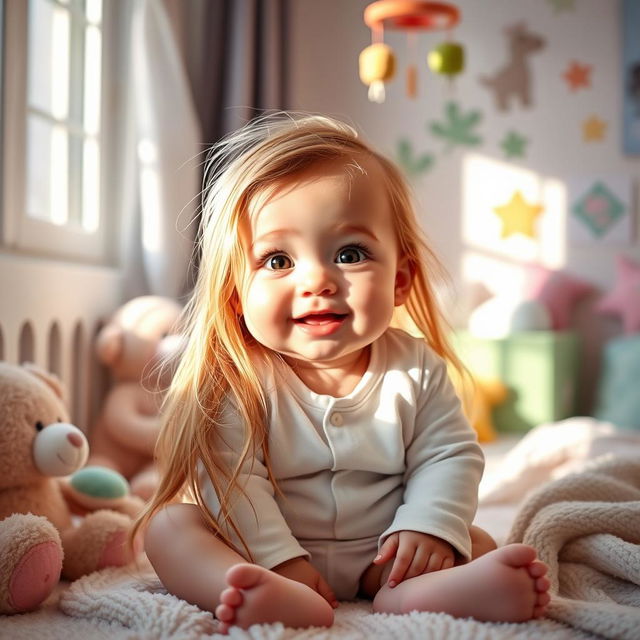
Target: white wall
x=325 y=40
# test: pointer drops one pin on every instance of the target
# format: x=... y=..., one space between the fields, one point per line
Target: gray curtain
x=195 y=70
x=235 y=52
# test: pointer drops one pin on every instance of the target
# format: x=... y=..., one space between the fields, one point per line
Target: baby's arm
x=252 y=503
x=443 y=468
x=258 y=516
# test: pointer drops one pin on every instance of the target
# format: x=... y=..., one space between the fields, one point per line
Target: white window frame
x=19 y=232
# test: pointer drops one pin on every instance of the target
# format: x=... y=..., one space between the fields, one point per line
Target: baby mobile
x=377 y=62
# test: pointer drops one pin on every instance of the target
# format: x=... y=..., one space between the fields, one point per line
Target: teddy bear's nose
x=74 y=439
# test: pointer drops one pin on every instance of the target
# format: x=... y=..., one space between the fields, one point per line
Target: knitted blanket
x=129 y=604
x=586 y=527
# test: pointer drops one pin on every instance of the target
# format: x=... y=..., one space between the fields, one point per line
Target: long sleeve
x=444 y=465
x=255 y=512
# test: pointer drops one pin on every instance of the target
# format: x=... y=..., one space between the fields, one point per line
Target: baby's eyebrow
x=274 y=234
x=356 y=228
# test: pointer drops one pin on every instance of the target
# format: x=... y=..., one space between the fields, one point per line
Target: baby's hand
x=301 y=570
x=415 y=553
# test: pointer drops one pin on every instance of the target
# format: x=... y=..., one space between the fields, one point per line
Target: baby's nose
x=317 y=280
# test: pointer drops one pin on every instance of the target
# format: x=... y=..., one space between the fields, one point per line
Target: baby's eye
x=278 y=261
x=351 y=255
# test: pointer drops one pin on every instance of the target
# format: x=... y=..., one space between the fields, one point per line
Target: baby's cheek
x=266 y=312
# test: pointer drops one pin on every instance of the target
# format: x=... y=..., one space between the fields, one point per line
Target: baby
x=313 y=448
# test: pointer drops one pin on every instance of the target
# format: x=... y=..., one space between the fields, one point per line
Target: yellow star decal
x=518 y=216
x=593 y=129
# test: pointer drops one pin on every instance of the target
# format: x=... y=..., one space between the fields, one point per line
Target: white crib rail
x=50 y=313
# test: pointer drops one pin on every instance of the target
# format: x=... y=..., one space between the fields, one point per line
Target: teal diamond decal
x=598 y=209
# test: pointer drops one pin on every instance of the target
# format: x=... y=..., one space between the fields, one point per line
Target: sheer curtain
x=197 y=70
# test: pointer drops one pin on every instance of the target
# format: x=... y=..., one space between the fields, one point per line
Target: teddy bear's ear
x=50 y=379
x=109 y=344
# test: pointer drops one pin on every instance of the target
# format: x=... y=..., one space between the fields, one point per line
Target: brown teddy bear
x=140 y=336
x=39 y=541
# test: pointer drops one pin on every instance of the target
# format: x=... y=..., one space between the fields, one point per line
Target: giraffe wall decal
x=513 y=79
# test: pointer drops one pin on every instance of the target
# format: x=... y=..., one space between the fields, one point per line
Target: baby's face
x=323 y=272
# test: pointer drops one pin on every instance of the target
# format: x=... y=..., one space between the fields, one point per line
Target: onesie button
x=336 y=419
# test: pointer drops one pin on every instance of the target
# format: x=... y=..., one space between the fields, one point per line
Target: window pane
x=48 y=64
x=92 y=65
x=91 y=186
x=47 y=170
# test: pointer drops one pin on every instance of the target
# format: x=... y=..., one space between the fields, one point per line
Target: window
x=55 y=142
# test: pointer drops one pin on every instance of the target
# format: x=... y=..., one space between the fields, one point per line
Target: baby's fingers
x=435 y=563
x=419 y=563
x=327 y=593
x=399 y=568
x=387 y=550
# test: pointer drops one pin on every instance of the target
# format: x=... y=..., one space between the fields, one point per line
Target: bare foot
x=505 y=585
x=257 y=595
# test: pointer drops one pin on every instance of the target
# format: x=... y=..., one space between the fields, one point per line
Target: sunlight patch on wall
x=513 y=212
x=496 y=274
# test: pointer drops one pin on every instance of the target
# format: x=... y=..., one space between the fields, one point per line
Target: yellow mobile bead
x=377 y=64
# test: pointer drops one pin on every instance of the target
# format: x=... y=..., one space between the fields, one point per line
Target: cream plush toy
x=39 y=541
x=139 y=336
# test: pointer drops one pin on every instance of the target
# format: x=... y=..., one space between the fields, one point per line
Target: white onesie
x=395 y=454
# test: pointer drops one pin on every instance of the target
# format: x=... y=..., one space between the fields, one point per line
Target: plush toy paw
x=100 y=541
x=30 y=562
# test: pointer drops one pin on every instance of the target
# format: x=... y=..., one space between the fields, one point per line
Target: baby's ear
x=236 y=304
x=404 y=280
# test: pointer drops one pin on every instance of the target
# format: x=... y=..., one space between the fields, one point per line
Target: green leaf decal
x=457 y=127
x=412 y=164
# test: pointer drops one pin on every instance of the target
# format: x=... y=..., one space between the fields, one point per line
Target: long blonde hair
x=216 y=362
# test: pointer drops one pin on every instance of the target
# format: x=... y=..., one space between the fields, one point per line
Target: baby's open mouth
x=320 y=318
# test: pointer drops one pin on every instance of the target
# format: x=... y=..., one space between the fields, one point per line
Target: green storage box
x=540 y=368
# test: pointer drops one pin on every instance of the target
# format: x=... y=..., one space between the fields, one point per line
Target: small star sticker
x=562 y=5
x=514 y=145
x=578 y=76
x=518 y=216
x=593 y=129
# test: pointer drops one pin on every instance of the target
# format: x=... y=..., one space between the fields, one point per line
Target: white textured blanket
x=119 y=604
x=586 y=527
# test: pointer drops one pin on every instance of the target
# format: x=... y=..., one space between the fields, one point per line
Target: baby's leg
x=198 y=567
x=481 y=542
x=504 y=585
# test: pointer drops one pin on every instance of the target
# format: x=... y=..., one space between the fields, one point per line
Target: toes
x=542 y=584
x=223 y=628
x=537 y=569
x=225 y=613
x=244 y=575
x=231 y=597
x=543 y=599
x=538 y=612
x=517 y=555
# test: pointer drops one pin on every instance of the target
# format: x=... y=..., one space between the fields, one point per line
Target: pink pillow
x=557 y=290
x=624 y=300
